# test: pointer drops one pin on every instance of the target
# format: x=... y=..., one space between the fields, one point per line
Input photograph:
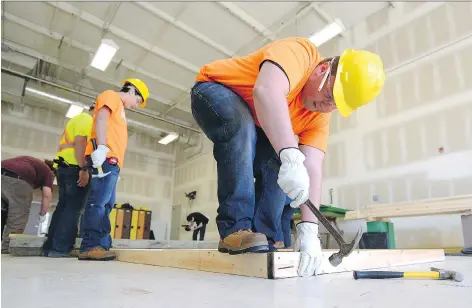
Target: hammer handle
x=390 y=274
x=94 y=145
x=339 y=239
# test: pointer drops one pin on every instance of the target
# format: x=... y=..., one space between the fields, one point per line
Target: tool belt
x=10 y=174
x=63 y=164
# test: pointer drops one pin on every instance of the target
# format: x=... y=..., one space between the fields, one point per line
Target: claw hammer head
x=449 y=275
x=345 y=250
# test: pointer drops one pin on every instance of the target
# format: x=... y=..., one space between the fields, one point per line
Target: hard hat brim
x=338 y=94
x=143 y=104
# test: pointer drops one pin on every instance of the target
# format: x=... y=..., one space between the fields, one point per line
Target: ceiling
x=162 y=43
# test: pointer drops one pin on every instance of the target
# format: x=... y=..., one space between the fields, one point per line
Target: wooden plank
x=253 y=265
x=439 y=206
x=23 y=245
x=421 y=201
x=274 y=265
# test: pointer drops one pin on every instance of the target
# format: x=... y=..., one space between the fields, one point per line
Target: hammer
x=99 y=168
x=344 y=249
x=435 y=273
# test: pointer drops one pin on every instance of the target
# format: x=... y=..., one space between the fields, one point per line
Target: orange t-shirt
x=117 y=128
x=297 y=57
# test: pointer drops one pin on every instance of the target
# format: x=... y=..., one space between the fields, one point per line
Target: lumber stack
x=437 y=206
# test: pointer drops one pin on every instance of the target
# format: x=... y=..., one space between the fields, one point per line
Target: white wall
x=390 y=148
x=146 y=179
x=196 y=171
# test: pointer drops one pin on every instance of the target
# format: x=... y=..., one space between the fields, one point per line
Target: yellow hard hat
x=142 y=88
x=359 y=79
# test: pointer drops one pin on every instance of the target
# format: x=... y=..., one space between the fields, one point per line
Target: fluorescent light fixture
x=169 y=138
x=104 y=54
x=73 y=111
x=330 y=31
x=57 y=98
x=75 y=108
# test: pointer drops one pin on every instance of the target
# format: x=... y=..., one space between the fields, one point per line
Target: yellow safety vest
x=80 y=125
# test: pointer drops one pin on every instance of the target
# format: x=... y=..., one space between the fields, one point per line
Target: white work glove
x=293 y=176
x=42 y=219
x=309 y=245
x=99 y=155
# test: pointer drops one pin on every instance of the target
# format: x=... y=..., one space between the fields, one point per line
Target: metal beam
x=182 y=26
x=93 y=20
x=88 y=49
x=90 y=73
x=248 y=19
x=29 y=77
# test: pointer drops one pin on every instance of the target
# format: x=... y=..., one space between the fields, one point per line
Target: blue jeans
x=284 y=231
x=95 y=225
x=62 y=230
x=242 y=153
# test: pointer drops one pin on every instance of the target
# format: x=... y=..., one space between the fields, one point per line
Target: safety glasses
x=326 y=77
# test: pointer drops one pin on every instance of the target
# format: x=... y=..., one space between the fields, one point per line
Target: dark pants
x=62 y=230
x=241 y=150
x=202 y=233
x=95 y=224
x=284 y=231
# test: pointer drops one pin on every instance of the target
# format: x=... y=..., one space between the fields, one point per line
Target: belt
x=11 y=174
x=63 y=164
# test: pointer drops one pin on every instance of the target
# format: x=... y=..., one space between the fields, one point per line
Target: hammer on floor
x=435 y=273
x=99 y=168
x=345 y=249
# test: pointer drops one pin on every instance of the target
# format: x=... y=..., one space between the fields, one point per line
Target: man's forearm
x=272 y=112
x=101 y=125
x=79 y=149
x=315 y=194
x=45 y=205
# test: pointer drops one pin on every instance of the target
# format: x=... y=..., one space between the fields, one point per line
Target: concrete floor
x=40 y=282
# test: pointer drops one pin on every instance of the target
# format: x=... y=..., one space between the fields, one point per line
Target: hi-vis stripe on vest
x=65 y=142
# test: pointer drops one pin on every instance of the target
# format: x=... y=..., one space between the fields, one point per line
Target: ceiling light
x=169 y=138
x=330 y=31
x=104 y=54
x=73 y=111
x=57 y=98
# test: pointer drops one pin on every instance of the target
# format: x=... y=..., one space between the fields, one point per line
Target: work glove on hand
x=42 y=218
x=309 y=245
x=293 y=176
x=99 y=155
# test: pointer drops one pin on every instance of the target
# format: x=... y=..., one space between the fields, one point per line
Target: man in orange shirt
x=250 y=108
x=110 y=131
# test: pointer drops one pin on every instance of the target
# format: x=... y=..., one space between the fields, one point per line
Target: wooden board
x=31 y=245
x=274 y=265
x=438 y=206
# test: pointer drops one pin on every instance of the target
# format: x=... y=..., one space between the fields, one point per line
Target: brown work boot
x=97 y=254
x=243 y=241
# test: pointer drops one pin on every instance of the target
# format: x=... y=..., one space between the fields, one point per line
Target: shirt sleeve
x=316 y=135
x=48 y=176
x=292 y=57
x=108 y=98
x=83 y=125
